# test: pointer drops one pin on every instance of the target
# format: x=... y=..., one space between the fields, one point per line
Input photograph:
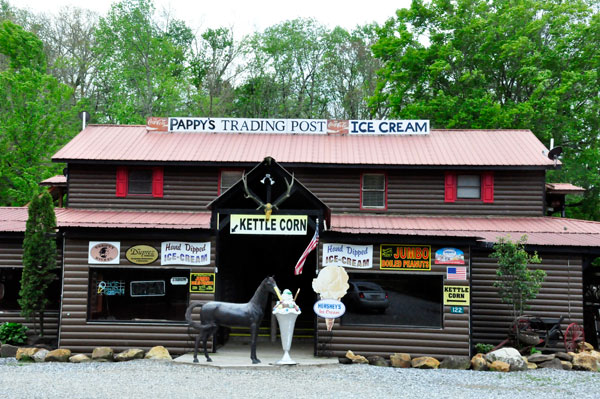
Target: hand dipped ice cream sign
x=346 y=255
x=141 y=254
x=184 y=253
x=291 y=126
x=405 y=257
x=104 y=252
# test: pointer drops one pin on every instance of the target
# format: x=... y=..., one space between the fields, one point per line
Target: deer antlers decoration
x=268 y=207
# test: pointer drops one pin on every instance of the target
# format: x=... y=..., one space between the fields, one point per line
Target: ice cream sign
x=345 y=255
x=331 y=284
x=329 y=308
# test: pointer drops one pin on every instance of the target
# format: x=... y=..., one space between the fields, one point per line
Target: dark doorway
x=245 y=260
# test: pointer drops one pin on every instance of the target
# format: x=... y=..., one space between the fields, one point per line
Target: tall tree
x=141 y=64
x=35 y=116
x=501 y=64
x=39 y=259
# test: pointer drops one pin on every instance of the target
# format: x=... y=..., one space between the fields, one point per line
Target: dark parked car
x=366 y=297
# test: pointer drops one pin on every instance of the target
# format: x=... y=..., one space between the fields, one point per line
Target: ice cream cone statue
x=286 y=312
x=331 y=283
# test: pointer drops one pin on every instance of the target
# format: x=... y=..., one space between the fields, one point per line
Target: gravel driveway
x=156 y=379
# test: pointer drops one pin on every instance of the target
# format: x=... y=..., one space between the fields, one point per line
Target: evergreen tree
x=39 y=259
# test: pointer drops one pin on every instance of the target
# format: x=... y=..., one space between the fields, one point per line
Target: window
x=394 y=300
x=228 y=178
x=10 y=284
x=469 y=187
x=373 y=193
x=135 y=294
x=139 y=181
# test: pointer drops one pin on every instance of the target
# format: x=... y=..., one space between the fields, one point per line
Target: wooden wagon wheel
x=573 y=336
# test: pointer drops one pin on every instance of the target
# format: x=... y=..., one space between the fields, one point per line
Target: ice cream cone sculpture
x=331 y=283
x=329 y=323
x=286 y=311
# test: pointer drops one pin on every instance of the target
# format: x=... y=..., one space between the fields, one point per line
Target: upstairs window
x=140 y=181
x=469 y=187
x=228 y=178
x=373 y=192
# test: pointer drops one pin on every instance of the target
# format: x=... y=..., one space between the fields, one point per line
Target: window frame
x=220 y=181
x=486 y=187
x=384 y=207
x=122 y=182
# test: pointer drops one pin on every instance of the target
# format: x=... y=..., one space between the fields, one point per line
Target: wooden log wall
x=561 y=294
x=410 y=192
x=451 y=339
x=82 y=336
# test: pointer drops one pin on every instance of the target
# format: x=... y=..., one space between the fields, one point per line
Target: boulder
x=498 y=365
x=159 y=353
x=551 y=364
x=510 y=356
x=455 y=363
x=103 y=354
x=401 y=360
x=566 y=365
x=425 y=362
x=81 y=358
x=540 y=358
x=478 y=362
x=344 y=360
x=564 y=356
x=585 y=361
x=8 y=350
x=585 y=347
x=26 y=354
x=40 y=356
x=58 y=355
x=355 y=358
x=130 y=354
x=378 y=361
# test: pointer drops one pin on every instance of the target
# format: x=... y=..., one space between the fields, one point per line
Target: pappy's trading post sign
x=276 y=225
x=457 y=295
x=405 y=257
x=346 y=255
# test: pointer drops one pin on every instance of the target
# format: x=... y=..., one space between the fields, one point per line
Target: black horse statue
x=228 y=314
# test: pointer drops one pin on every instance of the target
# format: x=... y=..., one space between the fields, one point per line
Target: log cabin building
x=198 y=209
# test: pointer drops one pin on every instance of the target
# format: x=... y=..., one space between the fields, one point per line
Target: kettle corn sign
x=457 y=295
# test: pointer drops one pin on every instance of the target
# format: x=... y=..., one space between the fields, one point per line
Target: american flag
x=457 y=273
x=311 y=245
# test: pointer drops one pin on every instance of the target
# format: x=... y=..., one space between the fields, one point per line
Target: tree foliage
x=532 y=64
x=515 y=282
x=39 y=258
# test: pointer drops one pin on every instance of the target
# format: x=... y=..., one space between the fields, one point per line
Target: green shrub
x=13 y=333
x=483 y=348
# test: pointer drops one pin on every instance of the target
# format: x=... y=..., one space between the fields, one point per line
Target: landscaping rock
x=40 y=356
x=129 y=354
x=540 y=358
x=585 y=361
x=355 y=358
x=344 y=360
x=585 y=347
x=455 y=363
x=8 y=350
x=58 y=355
x=564 y=356
x=498 y=365
x=378 y=361
x=551 y=364
x=425 y=362
x=401 y=360
x=510 y=356
x=26 y=354
x=478 y=362
x=159 y=353
x=566 y=365
x=81 y=358
x=103 y=354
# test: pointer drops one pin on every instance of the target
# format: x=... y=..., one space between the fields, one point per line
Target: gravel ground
x=156 y=379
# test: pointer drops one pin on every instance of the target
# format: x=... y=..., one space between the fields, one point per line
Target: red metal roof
x=13 y=219
x=564 y=188
x=67 y=217
x=540 y=230
x=440 y=147
x=58 y=180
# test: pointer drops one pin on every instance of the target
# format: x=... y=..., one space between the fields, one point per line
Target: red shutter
x=487 y=187
x=157 y=182
x=122 y=176
x=450 y=183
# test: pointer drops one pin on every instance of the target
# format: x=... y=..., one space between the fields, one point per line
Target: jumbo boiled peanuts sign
x=295 y=225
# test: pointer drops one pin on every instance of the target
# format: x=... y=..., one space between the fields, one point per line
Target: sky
x=247 y=16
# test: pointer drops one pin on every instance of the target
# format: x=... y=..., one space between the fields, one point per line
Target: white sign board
x=346 y=255
x=296 y=126
x=184 y=253
x=104 y=252
x=329 y=308
x=290 y=225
